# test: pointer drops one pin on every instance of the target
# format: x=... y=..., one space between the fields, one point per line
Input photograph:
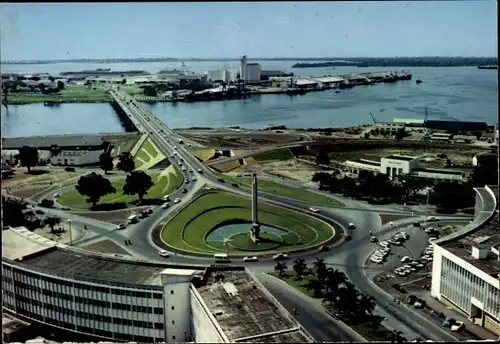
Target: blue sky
x=272 y=29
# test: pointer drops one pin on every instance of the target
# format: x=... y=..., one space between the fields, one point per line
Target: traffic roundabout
x=220 y=222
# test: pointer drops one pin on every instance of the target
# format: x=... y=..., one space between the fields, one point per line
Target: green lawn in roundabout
x=164 y=183
x=193 y=229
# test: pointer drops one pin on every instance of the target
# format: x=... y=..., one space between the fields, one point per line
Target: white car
x=177 y=200
x=432 y=218
x=164 y=254
x=431 y=239
x=164 y=205
x=193 y=179
x=376 y=260
x=406 y=259
x=200 y=170
x=351 y=225
x=166 y=198
x=384 y=244
x=65 y=208
x=56 y=195
x=250 y=259
x=280 y=256
x=183 y=168
x=314 y=210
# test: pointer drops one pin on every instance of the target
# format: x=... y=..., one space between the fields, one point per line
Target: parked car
x=448 y=322
x=280 y=256
x=164 y=254
x=69 y=169
x=419 y=303
x=121 y=226
x=314 y=210
x=164 y=205
x=250 y=259
x=351 y=225
x=458 y=326
x=373 y=239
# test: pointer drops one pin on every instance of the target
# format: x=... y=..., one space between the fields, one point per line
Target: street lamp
x=226 y=243
x=70 y=234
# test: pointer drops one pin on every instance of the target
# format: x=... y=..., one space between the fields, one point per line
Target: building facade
x=466 y=265
x=396 y=165
x=115 y=298
x=76 y=158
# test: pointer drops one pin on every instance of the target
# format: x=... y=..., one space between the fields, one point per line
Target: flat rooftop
x=243 y=309
x=366 y=162
x=401 y=157
x=486 y=237
x=56 y=259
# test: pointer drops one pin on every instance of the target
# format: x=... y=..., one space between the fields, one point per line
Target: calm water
x=226 y=231
x=461 y=93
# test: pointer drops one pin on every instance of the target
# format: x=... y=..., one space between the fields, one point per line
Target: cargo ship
x=487 y=67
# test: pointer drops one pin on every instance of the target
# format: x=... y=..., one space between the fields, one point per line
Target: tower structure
x=255 y=230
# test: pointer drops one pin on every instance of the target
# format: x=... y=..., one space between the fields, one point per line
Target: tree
x=137 y=183
x=150 y=91
x=300 y=267
x=94 y=186
x=105 y=162
x=60 y=85
x=280 y=268
x=322 y=158
x=28 y=156
x=52 y=221
x=12 y=212
x=321 y=270
x=126 y=162
x=42 y=88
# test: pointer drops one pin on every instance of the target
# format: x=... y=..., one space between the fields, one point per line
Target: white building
x=216 y=75
x=249 y=72
x=466 y=265
x=116 y=298
x=76 y=158
x=395 y=165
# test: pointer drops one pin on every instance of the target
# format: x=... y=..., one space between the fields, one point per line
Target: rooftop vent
x=479 y=253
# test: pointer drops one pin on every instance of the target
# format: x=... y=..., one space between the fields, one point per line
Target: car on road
x=324 y=248
x=191 y=170
x=184 y=191
x=56 y=195
x=121 y=226
x=406 y=259
x=384 y=244
x=449 y=322
x=348 y=238
x=351 y=225
x=166 y=198
x=419 y=303
x=416 y=224
x=39 y=212
x=193 y=179
x=165 y=205
x=280 y=256
x=235 y=185
x=69 y=169
x=314 y=210
x=65 y=208
x=183 y=168
x=149 y=211
x=250 y=259
x=373 y=239
x=164 y=254
x=177 y=200
x=186 y=181
x=200 y=170
x=458 y=326
x=432 y=218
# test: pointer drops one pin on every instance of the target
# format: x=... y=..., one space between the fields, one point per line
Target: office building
x=466 y=265
x=116 y=298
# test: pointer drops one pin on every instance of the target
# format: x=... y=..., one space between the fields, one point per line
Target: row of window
x=92 y=331
x=82 y=286
x=91 y=316
x=94 y=302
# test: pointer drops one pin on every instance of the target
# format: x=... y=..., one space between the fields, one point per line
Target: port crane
x=373 y=118
x=426 y=114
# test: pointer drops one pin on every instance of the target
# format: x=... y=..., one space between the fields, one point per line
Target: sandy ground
x=105 y=246
x=63 y=238
x=291 y=169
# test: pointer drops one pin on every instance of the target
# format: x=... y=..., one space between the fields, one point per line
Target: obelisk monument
x=255 y=230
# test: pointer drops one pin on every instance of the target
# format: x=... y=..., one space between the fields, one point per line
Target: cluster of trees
x=21 y=85
x=16 y=213
x=334 y=288
x=95 y=186
x=448 y=196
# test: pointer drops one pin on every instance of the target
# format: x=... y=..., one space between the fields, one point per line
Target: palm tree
x=280 y=268
x=316 y=286
x=367 y=304
x=52 y=221
x=397 y=337
x=299 y=266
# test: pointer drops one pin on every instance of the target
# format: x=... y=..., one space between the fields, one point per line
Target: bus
x=133 y=219
x=221 y=258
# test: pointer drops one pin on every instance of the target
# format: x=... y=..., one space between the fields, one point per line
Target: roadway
x=348 y=257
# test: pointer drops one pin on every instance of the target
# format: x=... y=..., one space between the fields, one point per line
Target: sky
x=39 y=31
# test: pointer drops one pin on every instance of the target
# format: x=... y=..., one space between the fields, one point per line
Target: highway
x=348 y=257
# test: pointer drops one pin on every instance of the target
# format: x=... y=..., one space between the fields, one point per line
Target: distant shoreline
x=360 y=61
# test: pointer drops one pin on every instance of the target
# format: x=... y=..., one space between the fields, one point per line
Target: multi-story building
x=116 y=298
x=466 y=265
x=249 y=72
x=76 y=158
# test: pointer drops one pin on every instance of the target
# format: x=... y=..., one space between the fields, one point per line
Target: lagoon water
x=454 y=93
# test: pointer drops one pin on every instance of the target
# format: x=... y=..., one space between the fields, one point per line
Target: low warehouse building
x=76 y=158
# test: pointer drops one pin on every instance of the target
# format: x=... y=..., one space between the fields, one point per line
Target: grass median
x=164 y=183
x=187 y=231
x=297 y=193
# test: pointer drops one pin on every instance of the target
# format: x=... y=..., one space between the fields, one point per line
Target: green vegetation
x=275 y=188
x=188 y=230
x=283 y=154
x=340 y=297
x=69 y=94
x=164 y=183
x=203 y=154
x=145 y=153
x=244 y=242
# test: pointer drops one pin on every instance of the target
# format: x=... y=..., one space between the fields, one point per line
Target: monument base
x=255 y=232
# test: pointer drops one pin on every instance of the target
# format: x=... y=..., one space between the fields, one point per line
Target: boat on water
x=487 y=67
x=51 y=103
x=419 y=81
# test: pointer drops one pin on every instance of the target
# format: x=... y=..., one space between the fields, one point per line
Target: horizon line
x=180 y=59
